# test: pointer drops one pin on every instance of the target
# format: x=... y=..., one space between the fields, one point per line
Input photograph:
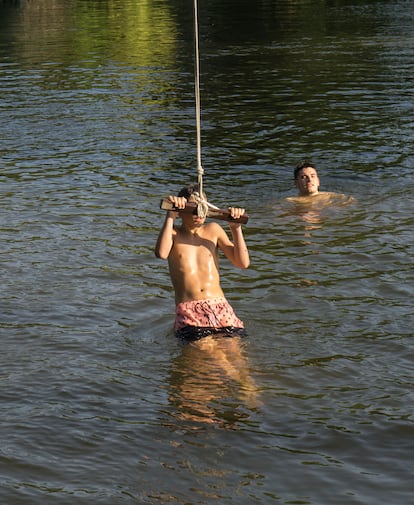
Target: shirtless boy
x=192 y=253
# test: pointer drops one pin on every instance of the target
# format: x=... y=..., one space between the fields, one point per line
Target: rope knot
x=202 y=205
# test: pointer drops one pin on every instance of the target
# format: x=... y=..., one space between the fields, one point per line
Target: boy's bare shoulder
x=212 y=228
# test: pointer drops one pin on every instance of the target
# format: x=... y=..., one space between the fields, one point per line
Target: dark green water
x=99 y=403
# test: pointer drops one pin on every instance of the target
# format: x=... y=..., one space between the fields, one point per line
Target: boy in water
x=192 y=253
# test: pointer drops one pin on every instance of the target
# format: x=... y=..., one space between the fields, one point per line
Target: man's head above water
x=306 y=179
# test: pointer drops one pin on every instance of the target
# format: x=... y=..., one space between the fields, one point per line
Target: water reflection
x=211 y=382
x=91 y=32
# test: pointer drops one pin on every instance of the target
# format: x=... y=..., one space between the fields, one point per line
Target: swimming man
x=307 y=182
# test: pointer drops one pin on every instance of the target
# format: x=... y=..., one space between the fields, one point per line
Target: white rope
x=200 y=170
x=202 y=205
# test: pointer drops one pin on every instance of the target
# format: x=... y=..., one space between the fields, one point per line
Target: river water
x=99 y=403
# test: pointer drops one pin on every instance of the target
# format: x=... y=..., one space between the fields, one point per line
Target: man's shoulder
x=322 y=198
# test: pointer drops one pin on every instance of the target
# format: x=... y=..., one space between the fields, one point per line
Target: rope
x=200 y=170
x=202 y=205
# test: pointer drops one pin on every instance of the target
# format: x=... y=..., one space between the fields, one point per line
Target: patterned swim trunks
x=200 y=318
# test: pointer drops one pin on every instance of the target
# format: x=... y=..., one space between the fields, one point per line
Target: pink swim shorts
x=210 y=313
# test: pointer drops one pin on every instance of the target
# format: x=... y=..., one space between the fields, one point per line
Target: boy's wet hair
x=303 y=164
x=188 y=190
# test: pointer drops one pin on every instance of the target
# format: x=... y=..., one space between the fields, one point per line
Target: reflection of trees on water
x=66 y=32
x=210 y=382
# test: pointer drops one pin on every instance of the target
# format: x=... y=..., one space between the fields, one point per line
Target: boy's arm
x=166 y=237
x=240 y=251
x=235 y=251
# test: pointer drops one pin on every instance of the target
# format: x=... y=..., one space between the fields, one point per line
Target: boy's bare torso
x=193 y=263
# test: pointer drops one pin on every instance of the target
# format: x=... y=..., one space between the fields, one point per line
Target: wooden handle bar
x=213 y=213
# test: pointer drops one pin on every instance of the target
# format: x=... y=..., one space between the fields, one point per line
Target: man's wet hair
x=188 y=190
x=303 y=164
